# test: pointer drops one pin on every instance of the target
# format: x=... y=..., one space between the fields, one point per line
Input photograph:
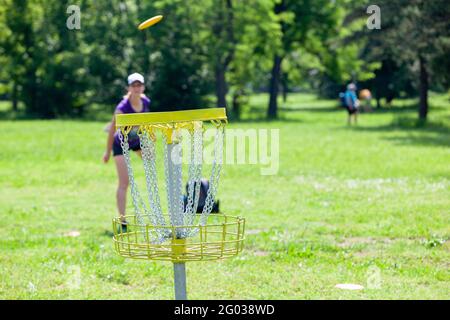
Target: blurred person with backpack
x=351 y=103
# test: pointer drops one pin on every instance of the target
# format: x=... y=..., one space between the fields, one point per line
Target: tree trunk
x=224 y=24
x=423 y=104
x=236 y=105
x=221 y=87
x=273 y=89
x=272 y=111
x=30 y=87
x=14 y=97
x=284 y=85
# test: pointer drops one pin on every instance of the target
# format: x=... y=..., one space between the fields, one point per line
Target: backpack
x=204 y=187
x=342 y=100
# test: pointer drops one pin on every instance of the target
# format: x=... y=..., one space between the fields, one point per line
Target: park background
x=365 y=204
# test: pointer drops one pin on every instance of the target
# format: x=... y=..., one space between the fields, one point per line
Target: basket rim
x=236 y=220
x=148 y=118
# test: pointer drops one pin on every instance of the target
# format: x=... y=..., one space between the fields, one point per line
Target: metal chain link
x=138 y=203
x=149 y=157
x=179 y=215
x=195 y=176
x=215 y=174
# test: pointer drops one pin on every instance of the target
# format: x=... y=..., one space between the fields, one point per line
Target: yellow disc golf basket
x=180 y=234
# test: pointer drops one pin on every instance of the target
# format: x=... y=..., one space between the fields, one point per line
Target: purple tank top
x=124 y=106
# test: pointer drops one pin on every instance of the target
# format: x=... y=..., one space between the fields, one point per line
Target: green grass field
x=368 y=205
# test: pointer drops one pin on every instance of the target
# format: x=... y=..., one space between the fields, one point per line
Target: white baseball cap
x=135 y=77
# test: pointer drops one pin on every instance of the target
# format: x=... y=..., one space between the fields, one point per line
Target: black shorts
x=351 y=110
x=117 y=149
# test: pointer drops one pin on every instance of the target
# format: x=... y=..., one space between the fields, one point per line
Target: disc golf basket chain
x=180 y=234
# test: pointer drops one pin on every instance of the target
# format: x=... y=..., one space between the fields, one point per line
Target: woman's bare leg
x=121 y=194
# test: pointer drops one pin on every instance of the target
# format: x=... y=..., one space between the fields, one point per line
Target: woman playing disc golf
x=133 y=102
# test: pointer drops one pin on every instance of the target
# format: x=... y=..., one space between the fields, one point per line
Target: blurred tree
x=44 y=65
x=110 y=43
x=257 y=37
x=214 y=46
x=62 y=73
x=302 y=22
x=221 y=43
x=391 y=81
x=341 y=55
x=56 y=71
x=17 y=46
x=415 y=33
x=8 y=78
x=180 y=75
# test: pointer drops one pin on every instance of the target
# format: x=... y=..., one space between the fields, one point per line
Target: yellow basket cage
x=222 y=237
x=181 y=235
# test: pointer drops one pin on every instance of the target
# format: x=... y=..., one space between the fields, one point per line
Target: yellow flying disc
x=149 y=22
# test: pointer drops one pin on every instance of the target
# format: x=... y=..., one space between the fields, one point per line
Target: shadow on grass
x=8 y=115
x=423 y=133
x=96 y=113
x=438 y=140
x=403 y=107
x=22 y=116
x=262 y=119
x=262 y=111
x=107 y=233
x=312 y=109
x=255 y=114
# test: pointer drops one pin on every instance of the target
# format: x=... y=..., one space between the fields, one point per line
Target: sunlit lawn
x=368 y=205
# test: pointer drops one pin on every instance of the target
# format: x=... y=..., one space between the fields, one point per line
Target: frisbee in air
x=148 y=23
